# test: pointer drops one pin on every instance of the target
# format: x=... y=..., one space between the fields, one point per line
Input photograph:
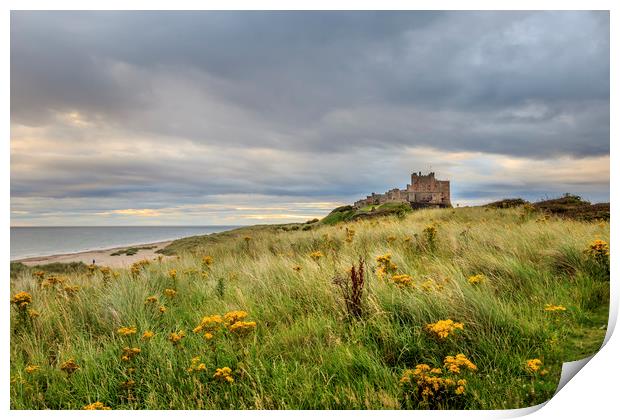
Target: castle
x=424 y=191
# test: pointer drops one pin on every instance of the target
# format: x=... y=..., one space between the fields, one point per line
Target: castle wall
x=424 y=190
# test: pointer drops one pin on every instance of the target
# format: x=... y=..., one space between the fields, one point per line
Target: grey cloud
x=298 y=104
x=289 y=70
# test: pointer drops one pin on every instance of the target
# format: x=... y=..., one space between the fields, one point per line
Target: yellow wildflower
x=129 y=353
x=533 y=365
x=127 y=330
x=234 y=316
x=554 y=308
x=207 y=260
x=210 y=322
x=242 y=327
x=598 y=249
x=150 y=299
x=224 y=374
x=96 y=406
x=297 y=268
x=21 y=300
x=162 y=309
x=431 y=384
x=148 y=335
x=316 y=255
x=69 y=366
x=32 y=368
x=402 y=280
x=454 y=363
x=33 y=313
x=170 y=293
x=196 y=366
x=477 y=279
x=172 y=273
x=175 y=338
x=443 y=328
x=385 y=265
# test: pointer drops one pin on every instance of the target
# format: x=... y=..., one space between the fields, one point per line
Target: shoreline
x=101 y=256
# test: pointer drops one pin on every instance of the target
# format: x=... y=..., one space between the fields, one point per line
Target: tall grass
x=306 y=352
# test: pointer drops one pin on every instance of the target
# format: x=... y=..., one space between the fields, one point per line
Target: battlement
x=424 y=191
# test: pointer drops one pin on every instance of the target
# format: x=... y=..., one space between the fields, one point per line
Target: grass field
x=524 y=293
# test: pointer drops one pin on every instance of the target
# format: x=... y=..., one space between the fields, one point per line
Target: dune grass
x=306 y=351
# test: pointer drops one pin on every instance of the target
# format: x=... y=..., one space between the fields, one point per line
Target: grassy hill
x=515 y=293
x=569 y=206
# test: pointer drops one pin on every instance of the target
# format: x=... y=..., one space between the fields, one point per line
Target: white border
x=593 y=393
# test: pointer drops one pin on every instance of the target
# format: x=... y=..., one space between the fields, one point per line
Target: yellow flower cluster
x=51 y=281
x=137 y=267
x=432 y=384
x=176 y=337
x=402 y=280
x=129 y=353
x=598 y=249
x=96 y=406
x=533 y=366
x=224 y=374
x=208 y=323
x=147 y=335
x=106 y=273
x=39 y=275
x=385 y=265
x=455 y=363
x=127 y=330
x=196 y=366
x=443 y=328
x=235 y=316
x=207 y=260
x=69 y=366
x=242 y=327
x=391 y=239
x=21 y=300
x=32 y=313
x=32 y=368
x=150 y=299
x=316 y=255
x=170 y=292
x=477 y=279
x=162 y=309
x=172 y=273
x=233 y=321
x=554 y=308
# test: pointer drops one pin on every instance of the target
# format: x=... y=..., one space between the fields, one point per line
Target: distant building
x=424 y=191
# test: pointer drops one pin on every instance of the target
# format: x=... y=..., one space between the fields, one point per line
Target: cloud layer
x=152 y=117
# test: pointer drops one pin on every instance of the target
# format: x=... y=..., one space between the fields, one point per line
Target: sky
x=235 y=118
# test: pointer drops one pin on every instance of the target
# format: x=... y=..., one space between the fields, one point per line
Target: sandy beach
x=101 y=257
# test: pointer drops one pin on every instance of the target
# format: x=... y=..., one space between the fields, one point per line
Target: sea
x=43 y=241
